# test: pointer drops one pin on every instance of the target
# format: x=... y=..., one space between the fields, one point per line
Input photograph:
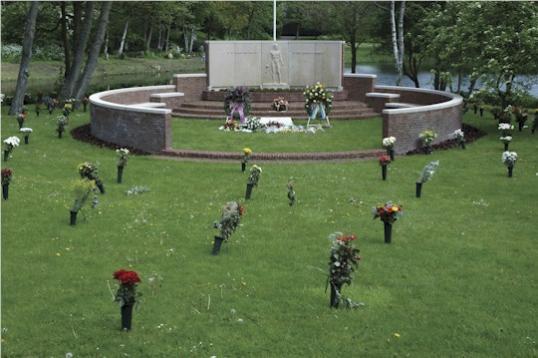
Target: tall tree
x=83 y=35
x=398 y=38
x=91 y=63
x=27 y=43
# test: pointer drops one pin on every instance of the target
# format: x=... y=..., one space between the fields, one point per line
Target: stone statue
x=276 y=62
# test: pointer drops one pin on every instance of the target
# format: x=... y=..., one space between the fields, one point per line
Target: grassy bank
x=459 y=278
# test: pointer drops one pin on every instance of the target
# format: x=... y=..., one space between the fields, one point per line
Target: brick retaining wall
x=192 y=85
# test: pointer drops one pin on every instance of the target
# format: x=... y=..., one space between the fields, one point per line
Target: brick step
x=255 y=106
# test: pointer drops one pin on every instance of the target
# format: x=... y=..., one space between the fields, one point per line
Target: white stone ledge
x=382 y=95
x=360 y=75
x=453 y=100
x=168 y=94
x=148 y=104
x=189 y=75
x=97 y=99
x=401 y=105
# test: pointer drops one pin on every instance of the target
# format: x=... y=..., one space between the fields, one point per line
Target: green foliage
x=82 y=189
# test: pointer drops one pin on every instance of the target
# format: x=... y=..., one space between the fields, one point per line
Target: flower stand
x=384 y=172
x=120 y=174
x=216 y=245
x=510 y=169
x=418 y=190
x=248 y=193
x=126 y=316
x=73 y=218
x=390 y=153
x=388 y=232
x=5 y=191
x=243 y=167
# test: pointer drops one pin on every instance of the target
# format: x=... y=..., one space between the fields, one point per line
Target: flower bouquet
x=425 y=175
x=388 y=213
x=291 y=192
x=126 y=295
x=82 y=190
x=388 y=144
x=426 y=138
x=279 y=104
x=253 y=178
x=89 y=171
x=344 y=259
x=247 y=152
x=509 y=159
x=61 y=124
x=26 y=133
x=123 y=156
x=7 y=175
x=230 y=218
x=384 y=160
x=459 y=136
x=231 y=125
x=237 y=100
x=69 y=106
x=317 y=99
x=10 y=143
x=506 y=134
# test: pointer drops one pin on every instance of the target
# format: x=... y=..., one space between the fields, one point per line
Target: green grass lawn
x=343 y=136
x=458 y=280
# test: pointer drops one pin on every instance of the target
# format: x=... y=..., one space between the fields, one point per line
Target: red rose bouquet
x=343 y=260
x=128 y=280
x=7 y=174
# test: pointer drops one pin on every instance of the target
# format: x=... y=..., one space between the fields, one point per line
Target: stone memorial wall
x=268 y=64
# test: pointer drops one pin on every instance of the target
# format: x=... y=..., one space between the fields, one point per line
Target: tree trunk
x=186 y=37
x=123 y=37
x=105 y=50
x=353 y=54
x=167 y=40
x=74 y=73
x=193 y=37
x=65 y=39
x=401 y=49
x=27 y=42
x=148 y=38
x=397 y=38
x=77 y=14
x=159 y=38
x=91 y=63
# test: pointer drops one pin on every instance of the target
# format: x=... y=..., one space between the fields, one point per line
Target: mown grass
x=459 y=278
x=344 y=135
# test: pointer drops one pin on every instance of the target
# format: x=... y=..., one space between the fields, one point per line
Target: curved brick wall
x=114 y=118
x=439 y=111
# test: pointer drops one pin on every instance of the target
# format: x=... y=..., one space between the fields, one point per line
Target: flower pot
x=388 y=232
x=390 y=152
x=243 y=167
x=6 y=155
x=428 y=150
x=506 y=146
x=520 y=126
x=73 y=218
x=335 y=293
x=418 y=190
x=510 y=169
x=126 y=316
x=216 y=245
x=462 y=145
x=384 y=172
x=26 y=139
x=248 y=193
x=5 y=191
x=120 y=174
x=60 y=134
x=100 y=186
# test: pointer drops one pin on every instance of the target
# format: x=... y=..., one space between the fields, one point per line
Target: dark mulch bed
x=471 y=134
x=83 y=133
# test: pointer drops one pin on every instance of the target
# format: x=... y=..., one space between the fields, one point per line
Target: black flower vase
x=510 y=169
x=384 y=172
x=60 y=134
x=390 y=152
x=100 y=186
x=248 y=193
x=520 y=126
x=462 y=145
x=216 y=245
x=20 y=125
x=388 y=232
x=481 y=112
x=126 y=316
x=506 y=146
x=428 y=149
x=475 y=108
x=73 y=218
x=6 y=155
x=120 y=174
x=418 y=190
x=5 y=191
x=334 y=300
x=26 y=139
x=243 y=167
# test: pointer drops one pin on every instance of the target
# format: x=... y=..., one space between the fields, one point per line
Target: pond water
x=386 y=75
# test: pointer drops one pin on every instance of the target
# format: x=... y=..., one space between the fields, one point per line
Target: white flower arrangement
x=458 y=134
x=509 y=158
x=123 y=156
x=25 y=130
x=506 y=127
x=506 y=139
x=388 y=142
x=428 y=171
x=12 y=141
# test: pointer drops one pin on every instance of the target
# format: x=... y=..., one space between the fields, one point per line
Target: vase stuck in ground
x=120 y=174
x=335 y=295
x=126 y=316
x=384 y=172
x=388 y=232
x=248 y=193
x=216 y=245
x=418 y=191
x=5 y=191
x=73 y=218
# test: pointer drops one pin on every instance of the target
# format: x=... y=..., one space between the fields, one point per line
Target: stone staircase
x=344 y=109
